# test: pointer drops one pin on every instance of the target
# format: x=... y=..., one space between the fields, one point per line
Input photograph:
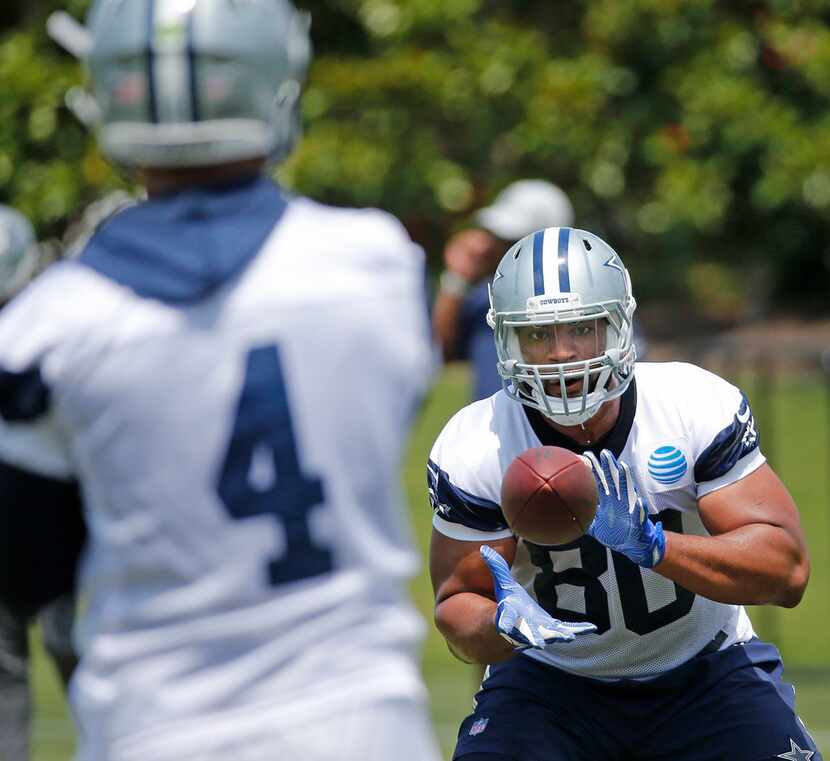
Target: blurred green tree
x=693 y=135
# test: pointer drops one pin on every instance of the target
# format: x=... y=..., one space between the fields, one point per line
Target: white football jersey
x=684 y=432
x=239 y=459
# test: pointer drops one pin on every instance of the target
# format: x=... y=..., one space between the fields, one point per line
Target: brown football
x=548 y=495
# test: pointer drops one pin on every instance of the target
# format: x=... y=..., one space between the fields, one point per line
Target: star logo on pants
x=796 y=754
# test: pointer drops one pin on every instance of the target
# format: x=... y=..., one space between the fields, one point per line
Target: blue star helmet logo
x=615 y=263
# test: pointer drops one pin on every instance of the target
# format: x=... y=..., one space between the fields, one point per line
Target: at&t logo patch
x=667 y=465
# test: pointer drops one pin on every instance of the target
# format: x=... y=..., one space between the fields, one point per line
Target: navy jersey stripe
x=23 y=395
x=538 y=273
x=458 y=506
x=562 y=260
x=735 y=441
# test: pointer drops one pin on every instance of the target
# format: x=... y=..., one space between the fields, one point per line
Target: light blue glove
x=519 y=618
x=621 y=522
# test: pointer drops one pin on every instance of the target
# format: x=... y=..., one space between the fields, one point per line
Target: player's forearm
x=754 y=565
x=446 y=312
x=467 y=622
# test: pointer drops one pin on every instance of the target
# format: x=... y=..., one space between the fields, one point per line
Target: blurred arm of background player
x=470 y=257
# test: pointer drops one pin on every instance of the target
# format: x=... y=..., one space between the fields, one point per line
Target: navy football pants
x=730 y=705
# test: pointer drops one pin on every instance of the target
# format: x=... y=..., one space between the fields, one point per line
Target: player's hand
x=471 y=254
x=519 y=618
x=622 y=522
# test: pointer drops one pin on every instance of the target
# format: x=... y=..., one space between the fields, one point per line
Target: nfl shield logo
x=479 y=725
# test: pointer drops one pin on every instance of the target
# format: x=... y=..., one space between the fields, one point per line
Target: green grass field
x=794 y=428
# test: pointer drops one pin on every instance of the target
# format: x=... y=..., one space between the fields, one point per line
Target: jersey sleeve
x=464 y=482
x=726 y=439
x=382 y=248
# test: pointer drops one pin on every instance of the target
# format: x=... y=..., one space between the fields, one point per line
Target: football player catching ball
x=631 y=643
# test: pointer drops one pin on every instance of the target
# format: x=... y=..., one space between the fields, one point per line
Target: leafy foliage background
x=693 y=135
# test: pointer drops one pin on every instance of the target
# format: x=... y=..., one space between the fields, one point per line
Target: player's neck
x=162 y=182
x=592 y=430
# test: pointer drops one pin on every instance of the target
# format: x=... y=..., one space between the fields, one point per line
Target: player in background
x=228 y=374
x=630 y=644
x=21 y=258
x=459 y=314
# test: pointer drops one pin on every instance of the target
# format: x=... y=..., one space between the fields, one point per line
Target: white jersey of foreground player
x=691 y=433
x=204 y=637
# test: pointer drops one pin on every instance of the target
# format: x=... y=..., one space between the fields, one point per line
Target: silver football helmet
x=19 y=253
x=561 y=310
x=182 y=83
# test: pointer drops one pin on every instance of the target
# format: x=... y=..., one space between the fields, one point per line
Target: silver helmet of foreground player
x=181 y=83
x=570 y=281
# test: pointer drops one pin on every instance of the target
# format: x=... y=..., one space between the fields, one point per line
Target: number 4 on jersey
x=263 y=428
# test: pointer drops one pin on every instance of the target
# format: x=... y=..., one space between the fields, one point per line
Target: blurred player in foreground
x=633 y=642
x=229 y=374
x=20 y=260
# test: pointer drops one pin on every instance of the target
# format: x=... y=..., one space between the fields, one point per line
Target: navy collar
x=182 y=247
x=614 y=440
